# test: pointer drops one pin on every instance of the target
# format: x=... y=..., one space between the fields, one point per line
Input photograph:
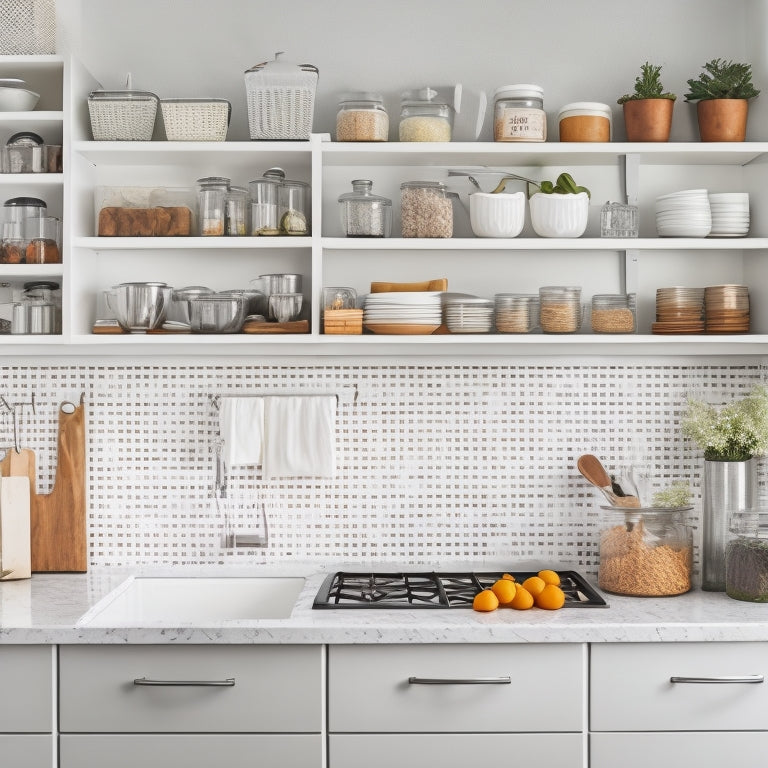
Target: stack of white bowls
x=684 y=214
x=730 y=214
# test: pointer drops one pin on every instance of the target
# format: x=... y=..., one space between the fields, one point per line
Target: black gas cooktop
x=345 y=589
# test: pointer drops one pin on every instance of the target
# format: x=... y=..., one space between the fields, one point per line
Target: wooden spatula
x=593 y=471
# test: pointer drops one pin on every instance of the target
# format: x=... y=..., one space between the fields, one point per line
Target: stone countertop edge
x=47 y=609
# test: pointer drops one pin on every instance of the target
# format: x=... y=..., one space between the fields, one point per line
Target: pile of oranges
x=542 y=590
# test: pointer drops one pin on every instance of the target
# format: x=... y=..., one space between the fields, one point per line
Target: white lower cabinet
x=26 y=751
x=414 y=706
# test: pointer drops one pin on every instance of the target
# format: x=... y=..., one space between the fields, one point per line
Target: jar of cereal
x=362 y=117
x=426 y=209
x=424 y=116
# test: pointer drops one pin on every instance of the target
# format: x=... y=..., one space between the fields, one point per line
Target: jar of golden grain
x=362 y=117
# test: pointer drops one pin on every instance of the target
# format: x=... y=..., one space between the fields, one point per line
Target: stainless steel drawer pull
x=230 y=681
x=459 y=680
x=722 y=679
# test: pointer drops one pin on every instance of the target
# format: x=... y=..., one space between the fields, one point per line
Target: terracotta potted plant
x=722 y=93
x=648 y=111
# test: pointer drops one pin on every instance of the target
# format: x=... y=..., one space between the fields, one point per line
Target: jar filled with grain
x=645 y=552
x=614 y=313
x=516 y=312
x=425 y=209
x=424 y=116
x=362 y=117
x=236 y=212
x=364 y=214
x=518 y=113
x=263 y=197
x=560 y=308
x=211 y=198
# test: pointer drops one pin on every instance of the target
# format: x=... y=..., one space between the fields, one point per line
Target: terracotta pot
x=648 y=119
x=722 y=119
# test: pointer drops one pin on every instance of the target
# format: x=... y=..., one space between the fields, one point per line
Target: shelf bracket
x=629 y=277
x=631 y=178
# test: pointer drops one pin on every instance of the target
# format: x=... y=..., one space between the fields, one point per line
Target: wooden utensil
x=592 y=470
x=440 y=284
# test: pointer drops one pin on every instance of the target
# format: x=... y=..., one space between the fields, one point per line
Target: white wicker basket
x=27 y=27
x=281 y=99
x=196 y=119
x=122 y=115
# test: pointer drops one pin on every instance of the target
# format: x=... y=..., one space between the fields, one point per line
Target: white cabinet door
x=489 y=750
x=26 y=680
x=230 y=750
x=632 y=688
x=673 y=750
x=391 y=688
x=27 y=751
x=276 y=689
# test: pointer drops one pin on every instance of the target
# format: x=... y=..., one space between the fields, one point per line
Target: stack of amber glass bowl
x=679 y=310
x=726 y=308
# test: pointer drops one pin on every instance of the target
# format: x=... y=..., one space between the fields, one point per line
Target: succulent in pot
x=722 y=93
x=648 y=110
x=559 y=209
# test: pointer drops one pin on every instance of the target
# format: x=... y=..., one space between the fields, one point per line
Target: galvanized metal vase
x=728 y=486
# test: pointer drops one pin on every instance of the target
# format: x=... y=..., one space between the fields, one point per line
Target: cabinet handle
x=230 y=681
x=721 y=679
x=459 y=680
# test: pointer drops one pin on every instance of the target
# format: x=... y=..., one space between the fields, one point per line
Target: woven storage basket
x=27 y=27
x=196 y=119
x=281 y=99
x=122 y=115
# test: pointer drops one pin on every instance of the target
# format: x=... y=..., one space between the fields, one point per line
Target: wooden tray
x=294 y=326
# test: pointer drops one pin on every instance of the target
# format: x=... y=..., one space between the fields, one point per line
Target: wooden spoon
x=592 y=470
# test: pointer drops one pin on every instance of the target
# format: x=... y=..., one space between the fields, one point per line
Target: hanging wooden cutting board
x=57 y=519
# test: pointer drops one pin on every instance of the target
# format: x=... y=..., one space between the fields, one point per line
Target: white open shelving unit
x=614 y=171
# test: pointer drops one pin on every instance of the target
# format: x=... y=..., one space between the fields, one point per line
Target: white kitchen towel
x=241 y=426
x=299 y=436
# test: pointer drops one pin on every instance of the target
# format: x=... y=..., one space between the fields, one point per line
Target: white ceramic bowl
x=501 y=215
x=17 y=99
x=559 y=215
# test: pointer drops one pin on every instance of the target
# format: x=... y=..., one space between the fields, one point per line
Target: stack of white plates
x=730 y=214
x=469 y=315
x=403 y=312
x=684 y=214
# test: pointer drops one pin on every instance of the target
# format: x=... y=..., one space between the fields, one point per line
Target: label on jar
x=520 y=124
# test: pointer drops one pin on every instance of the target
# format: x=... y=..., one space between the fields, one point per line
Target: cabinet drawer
x=489 y=750
x=631 y=688
x=190 y=750
x=26 y=751
x=673 y=750
x=277 y=689
x=369 y=688
x=26 y=680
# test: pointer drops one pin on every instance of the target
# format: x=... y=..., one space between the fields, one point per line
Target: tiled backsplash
x=436 y=462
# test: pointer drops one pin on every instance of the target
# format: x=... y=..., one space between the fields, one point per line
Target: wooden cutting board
x=57 y=519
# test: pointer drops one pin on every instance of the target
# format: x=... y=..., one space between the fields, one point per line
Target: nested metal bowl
x=217 y=313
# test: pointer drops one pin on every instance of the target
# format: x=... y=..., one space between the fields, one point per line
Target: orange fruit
x=508 y=576
x=485 y=601
x=504 y=589
x=550 y=577
x=534 y=584
x=551 y=598
x=523 y=599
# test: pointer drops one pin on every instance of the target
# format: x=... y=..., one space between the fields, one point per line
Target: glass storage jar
x=16 y=211
x=619 y=220
x=362 y=117
x=263 y=196
x=42 y=235
x=211 y=196
x=236 y=212
x=560 y=309
x=516 y=312
x=613 y=313
x=518 y=113
x=424 y=116
x=293 y=208
x=425 y=209
x=645 y=551
x=364 y=214
x=25 y=153
x=746 y=556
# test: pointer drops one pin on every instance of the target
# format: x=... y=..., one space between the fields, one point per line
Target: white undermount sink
x=194 y=600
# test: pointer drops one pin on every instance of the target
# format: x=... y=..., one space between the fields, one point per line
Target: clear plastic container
x=614 y=313
x=560 y=309
x=263 y=194
x=211 y=196
x=619 y=220
x=236 y=212
x=362 y=117
x=424 y=116
x=516 y=312
x=364 y=214
x=645 y=552
x=426 y=209
x=518 y=113
x=746 y=556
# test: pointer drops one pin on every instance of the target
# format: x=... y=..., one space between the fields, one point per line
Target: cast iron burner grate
x=345 y=589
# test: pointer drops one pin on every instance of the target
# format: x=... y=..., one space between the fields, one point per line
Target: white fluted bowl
x=500 y=215
x=558 y=215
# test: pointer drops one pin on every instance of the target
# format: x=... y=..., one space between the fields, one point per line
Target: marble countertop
x=48 y=608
